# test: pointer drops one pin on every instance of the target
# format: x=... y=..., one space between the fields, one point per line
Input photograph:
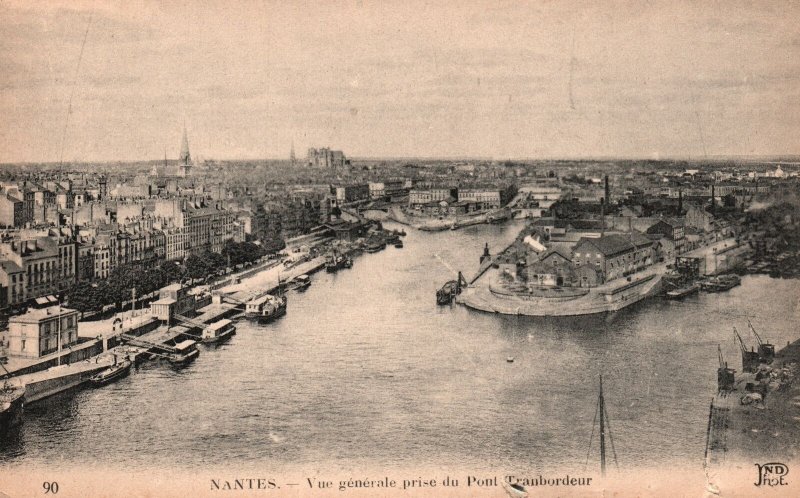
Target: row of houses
x=373 y=190
x=596 y=257
x=39 y=262
x=453 y=200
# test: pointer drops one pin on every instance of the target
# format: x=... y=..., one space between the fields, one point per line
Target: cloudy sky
x=399 y=78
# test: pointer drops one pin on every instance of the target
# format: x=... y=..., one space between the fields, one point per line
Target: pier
x=138 y=347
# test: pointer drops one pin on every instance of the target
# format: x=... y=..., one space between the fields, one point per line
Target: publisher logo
x=772 y=474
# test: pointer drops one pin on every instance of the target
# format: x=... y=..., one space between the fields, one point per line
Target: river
x=365 y=370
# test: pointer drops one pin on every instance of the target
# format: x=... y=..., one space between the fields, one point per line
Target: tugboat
x=335 y=262
x=266 y=308
x=184 y=353
x=12 y=404
x=115 y=372
x=446 y=294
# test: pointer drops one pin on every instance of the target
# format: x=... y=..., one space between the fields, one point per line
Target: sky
x=545 y=79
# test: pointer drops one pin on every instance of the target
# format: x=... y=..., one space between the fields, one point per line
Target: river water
x=365 y=370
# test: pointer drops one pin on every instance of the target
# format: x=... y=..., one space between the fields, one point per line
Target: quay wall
x=85 y=350
x=39 y=389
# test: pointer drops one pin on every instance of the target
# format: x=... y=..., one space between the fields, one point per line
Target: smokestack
x=713 y=202
x=608 y=192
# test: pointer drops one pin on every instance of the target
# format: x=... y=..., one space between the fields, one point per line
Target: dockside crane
x=766 y=351
x=725 y=375
x=749 y=358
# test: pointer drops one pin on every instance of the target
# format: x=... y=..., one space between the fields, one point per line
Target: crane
x=749 y=358
x=766 y=351
x=725 y=378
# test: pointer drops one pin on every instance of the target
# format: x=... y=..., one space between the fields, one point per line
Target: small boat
x=448 y=291
x=218 y=331
x=398 y=244
x=12 y=405
x=302 y=282
x=184 y=353
x=376 y=245
x=266 y=308
x=115 y=372
x=510 y=359
x=682 y=292
x=335 y=262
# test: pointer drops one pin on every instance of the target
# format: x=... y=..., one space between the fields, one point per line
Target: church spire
x=185 y=157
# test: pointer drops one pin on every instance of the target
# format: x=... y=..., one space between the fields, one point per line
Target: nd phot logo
x=772 y=474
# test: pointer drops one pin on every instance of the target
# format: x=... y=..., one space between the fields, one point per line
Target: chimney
x=713 y=202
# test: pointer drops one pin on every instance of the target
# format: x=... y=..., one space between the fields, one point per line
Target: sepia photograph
x=472 y=248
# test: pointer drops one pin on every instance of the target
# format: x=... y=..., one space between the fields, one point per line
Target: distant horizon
x=413 y=79
x=768 y=158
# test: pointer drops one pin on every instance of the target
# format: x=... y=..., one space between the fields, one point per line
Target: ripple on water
x=366 y=370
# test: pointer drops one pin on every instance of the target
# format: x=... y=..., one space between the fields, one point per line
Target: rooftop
x=36 y=315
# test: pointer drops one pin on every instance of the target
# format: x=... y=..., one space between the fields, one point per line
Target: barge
x=266 y=308
x=682 y=292
x=218 y=331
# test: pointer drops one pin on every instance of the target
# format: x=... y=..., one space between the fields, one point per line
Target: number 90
x=50 y=487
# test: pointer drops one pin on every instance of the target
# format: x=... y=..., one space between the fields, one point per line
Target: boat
x=448 y=291
x=302 y=282
x=115 y=372
x=335 y=262
x=721 y=283
x=183 y=353
x=604 y=430
x=682 y=292
x=266 y=308
x=398 y=244
x=375 y=245
x=218 y=331
x=12 y=405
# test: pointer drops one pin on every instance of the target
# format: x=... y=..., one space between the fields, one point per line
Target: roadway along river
x=366 y=371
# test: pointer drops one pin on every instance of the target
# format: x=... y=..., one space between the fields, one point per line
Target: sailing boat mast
x=602 y=410
x=605 y=429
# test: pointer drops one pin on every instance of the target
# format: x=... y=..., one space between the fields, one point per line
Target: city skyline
x=534 y=81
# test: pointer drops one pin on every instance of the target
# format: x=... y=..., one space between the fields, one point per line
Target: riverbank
x=431 y=224
x=489 y=293
x=743 y=433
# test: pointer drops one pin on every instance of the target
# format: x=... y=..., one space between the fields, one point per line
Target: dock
x=138 y=348
x=743 y=429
